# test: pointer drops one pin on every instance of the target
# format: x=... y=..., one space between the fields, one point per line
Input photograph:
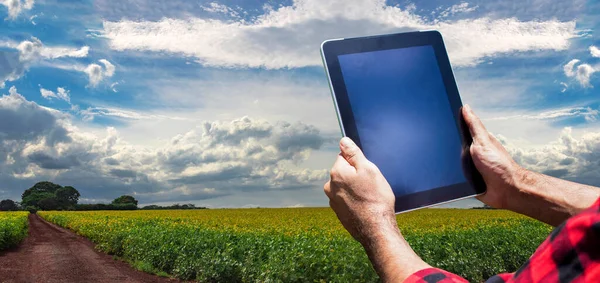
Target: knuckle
x=334 y=173
x=371 y=169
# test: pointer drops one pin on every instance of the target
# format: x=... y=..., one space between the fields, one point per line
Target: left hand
x=360 y=195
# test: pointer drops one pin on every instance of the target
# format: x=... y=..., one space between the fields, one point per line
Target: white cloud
x=16 y=7
x=587 y=113
x=92 y=112
x=215 y=7
x=581 y=73
x=568 y=157
x=96 y=73
x=61 y=94
x=594 y=51
x=108 y=67
x=457 y=9
x=27 y=53
x=113 y=87
x=569 y=68
x=584 y=72
x=273 y=41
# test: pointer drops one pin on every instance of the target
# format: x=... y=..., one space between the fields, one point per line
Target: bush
x=13 y=228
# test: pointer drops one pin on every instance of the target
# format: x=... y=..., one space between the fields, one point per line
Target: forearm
x=391 y=256
x=549 y=199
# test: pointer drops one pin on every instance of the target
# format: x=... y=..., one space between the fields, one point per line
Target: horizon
x=226 y=104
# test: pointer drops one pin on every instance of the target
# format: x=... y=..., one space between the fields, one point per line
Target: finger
x=476 y=127
x=352 y=153
x=341 y=167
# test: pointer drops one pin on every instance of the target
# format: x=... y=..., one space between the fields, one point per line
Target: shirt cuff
x=434 y=275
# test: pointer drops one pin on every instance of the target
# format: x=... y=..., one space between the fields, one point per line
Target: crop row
x=300 y=245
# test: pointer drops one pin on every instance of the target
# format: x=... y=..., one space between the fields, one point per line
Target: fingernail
x=467 y=107
x=347 y=142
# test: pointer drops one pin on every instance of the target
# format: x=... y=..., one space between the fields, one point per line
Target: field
x=13 y=228
x=300 y=245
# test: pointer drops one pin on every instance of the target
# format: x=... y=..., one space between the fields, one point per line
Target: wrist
x=517 y=187
x=392 y=257
x=382 y=226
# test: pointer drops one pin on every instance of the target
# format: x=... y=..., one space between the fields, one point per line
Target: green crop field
x=300 y=245
x=13 y=228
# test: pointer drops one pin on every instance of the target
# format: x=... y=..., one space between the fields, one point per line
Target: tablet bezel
x=331 y=49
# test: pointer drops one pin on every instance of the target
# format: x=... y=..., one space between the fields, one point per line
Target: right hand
x=499 y=171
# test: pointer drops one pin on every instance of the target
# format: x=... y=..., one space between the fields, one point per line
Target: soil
x=53 y=254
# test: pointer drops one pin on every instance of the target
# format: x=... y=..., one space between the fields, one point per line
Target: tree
x=41 y=187
x=34 y=198
x=8 y=205
x=125 y=200
x=67 y=197
x=49 y=204
x=50 y=196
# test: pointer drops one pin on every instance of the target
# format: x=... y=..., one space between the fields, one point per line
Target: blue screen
x=403 y=117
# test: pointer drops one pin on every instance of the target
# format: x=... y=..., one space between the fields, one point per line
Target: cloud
x=581 y=73
x=27 y=120
x=272 y=40
x=569 y=68
x=108 y=67
x=458 y=9
x=16 y=7
x=96 y=73
x=61 y=94
x=587 y=113
x=216 y=159
x=215 y=7
x=595 y=51
x=576 y=159
x=22 y=55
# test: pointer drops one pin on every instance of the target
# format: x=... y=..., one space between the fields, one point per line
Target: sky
x=226 y=104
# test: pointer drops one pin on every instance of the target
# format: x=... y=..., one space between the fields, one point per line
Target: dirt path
x=53 y=254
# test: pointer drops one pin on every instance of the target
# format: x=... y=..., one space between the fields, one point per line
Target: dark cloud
x=215 y=160
x=46 y=161
x=25 y=120
x=11 y=67
x=298 y=137
x=123 y=173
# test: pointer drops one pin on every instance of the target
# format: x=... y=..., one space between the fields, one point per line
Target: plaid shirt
x=570 y=254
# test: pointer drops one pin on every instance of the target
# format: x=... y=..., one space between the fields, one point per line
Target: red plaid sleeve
x=436 y=275
x=570 y=254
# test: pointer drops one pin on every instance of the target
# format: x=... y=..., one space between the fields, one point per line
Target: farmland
x=300 y=245
x=13 y=228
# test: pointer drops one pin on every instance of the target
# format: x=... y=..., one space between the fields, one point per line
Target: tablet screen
x=404 y=118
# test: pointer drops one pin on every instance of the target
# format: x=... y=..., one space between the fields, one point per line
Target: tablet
x=396 y=97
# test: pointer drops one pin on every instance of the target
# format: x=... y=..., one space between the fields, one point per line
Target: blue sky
x=225 y=104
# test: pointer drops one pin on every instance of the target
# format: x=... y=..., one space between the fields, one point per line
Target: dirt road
x=53 y=254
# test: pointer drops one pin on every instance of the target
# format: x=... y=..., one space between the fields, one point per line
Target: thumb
x=351 y=152
x=476 y=127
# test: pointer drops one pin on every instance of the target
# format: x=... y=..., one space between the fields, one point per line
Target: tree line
x=50 y=196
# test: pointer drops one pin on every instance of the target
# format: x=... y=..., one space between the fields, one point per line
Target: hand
x=499 y=171
x=360 y=195
x=364 y=202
